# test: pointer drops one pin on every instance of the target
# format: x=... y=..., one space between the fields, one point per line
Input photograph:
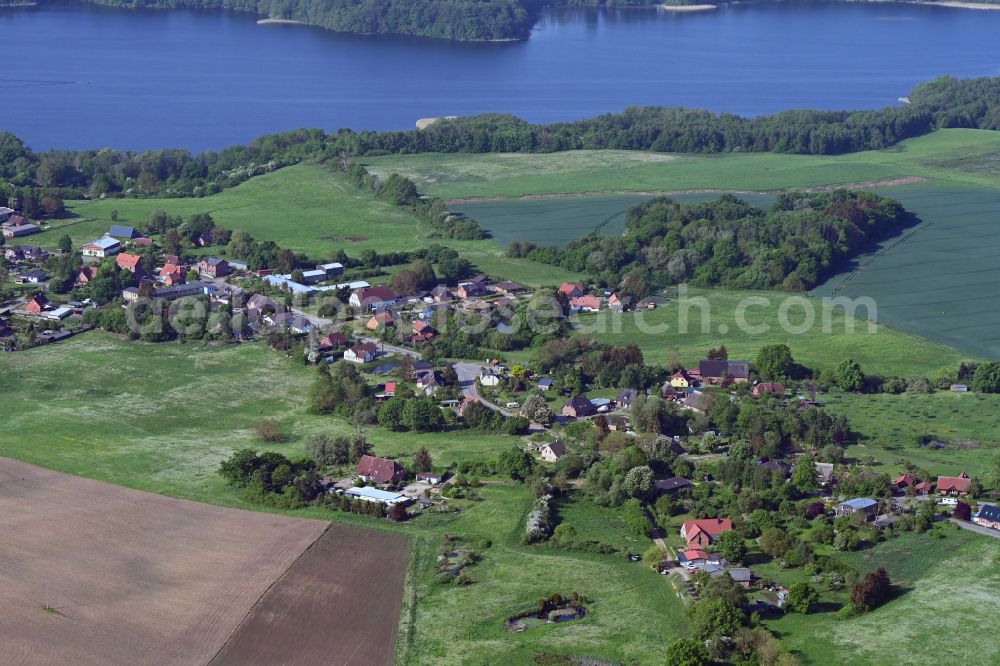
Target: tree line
x=941 y=103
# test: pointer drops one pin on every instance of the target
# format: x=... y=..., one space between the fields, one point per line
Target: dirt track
x=92 y=573
x=338 y=604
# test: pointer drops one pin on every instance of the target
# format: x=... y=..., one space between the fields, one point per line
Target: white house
x=102 y=247
x=373 y=298
x=363 y=353
x=552 y=452
x=488 y=377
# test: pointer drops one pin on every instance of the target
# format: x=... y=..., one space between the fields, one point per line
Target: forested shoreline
x=941 y=103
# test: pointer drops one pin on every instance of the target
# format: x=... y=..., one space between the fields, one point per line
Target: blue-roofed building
x=289 y=284
x=864 y=505
x=120 y=231
x=375 y=495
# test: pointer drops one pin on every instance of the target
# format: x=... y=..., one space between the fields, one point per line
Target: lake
x=78 y=76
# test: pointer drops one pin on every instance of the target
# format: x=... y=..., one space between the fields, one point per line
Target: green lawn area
x=307 y=208
x=946 y=155
x=659 y=333
x=948 y=585
x=888 y=427
x=160 y=418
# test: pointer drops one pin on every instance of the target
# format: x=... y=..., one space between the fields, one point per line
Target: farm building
x=120 y=231
x=101 y=248
x=23 y=230
x=36 y=304
x=332 y=269
x=552 y=452
x=705 y=531
x=185 y=290
x=954 y=485
x=373 y=469
x=585 y=304
x=718 y=371
x=429 y=477
x=863 y=505
x=32 y=277
x=376 y=495
x=571 y=289
x=671 y=485
x=988 y=516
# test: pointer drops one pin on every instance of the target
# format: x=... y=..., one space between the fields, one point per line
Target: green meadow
x=678 y=328
x=890 y=429
x=160 y=418
x=947 y=156
x=947 y=586
x=307 y=208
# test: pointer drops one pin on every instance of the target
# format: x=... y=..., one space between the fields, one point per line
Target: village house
x=863 y=505
x=701 y=533
x=470 y=290
x=824 y=473
x=333 y=340
x=373 y=298
x=25 y=253
x=84 y=275
x=362 y=353
x=488 y=376
x=571 y=289
x=381 y=319
x=552 y=452
x=585 y=303
x=421 y=331
x=615 y=303
x=669 y=392
x=372 y=469
x=773 y=388
x=259 y=304
x=213 y=267
x=923 y=488
x=101 y=248
x=626 y=397
x=954 y=485
x=545 y=383
x=130 y=262
x=717 y=372
x=291 y=322
x=36 y=304
x=429 y=382
x=988 y=516
x=903 y=481
x=698 y=401
x=681 y=380
x=579 y=406
x=36 y=276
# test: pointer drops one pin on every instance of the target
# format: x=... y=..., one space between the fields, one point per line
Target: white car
x=513 y=405
x=948 y=501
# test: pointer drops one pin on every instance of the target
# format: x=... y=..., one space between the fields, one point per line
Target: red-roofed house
x=130 y=262
x=585 y=303
x=703 y=532
x=334 y=340
x=923 y=488
x=904 y=480
x=380 y=319
x=85 y=275
x=768 y=387
x=571 y=289
x=380 y=470
x=36 y=304
x=373 y=298
x=954 y=485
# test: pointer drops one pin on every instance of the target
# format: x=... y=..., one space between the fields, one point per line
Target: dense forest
x=466 y=20
x=794 y=246
x=944 y=102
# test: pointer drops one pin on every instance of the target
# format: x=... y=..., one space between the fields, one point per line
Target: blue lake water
x=77 y=76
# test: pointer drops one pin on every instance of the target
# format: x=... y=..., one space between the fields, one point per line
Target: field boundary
x=263 y=594
x=869 y=185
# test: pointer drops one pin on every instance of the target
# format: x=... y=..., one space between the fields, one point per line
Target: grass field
x=888 y=428
x=948 y=585
x=161 y=417
x=307 y=208
x=886 y=350
x=947 y=155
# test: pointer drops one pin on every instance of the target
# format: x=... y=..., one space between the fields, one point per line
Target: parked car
x=948 y=501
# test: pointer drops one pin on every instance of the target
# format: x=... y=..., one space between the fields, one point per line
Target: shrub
x=268 y=430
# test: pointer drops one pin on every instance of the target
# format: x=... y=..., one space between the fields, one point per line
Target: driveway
x=467 y=373
x=386 y=349
x=979 y=529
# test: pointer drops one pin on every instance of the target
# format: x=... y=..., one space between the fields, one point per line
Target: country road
x=979 y=529
x=467 y=373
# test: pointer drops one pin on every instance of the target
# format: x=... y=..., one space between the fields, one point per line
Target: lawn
x=948 y=585
x=160 y=418
x=946 y=155
x=660 y=334
x=307 y=208
x=888 y=428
